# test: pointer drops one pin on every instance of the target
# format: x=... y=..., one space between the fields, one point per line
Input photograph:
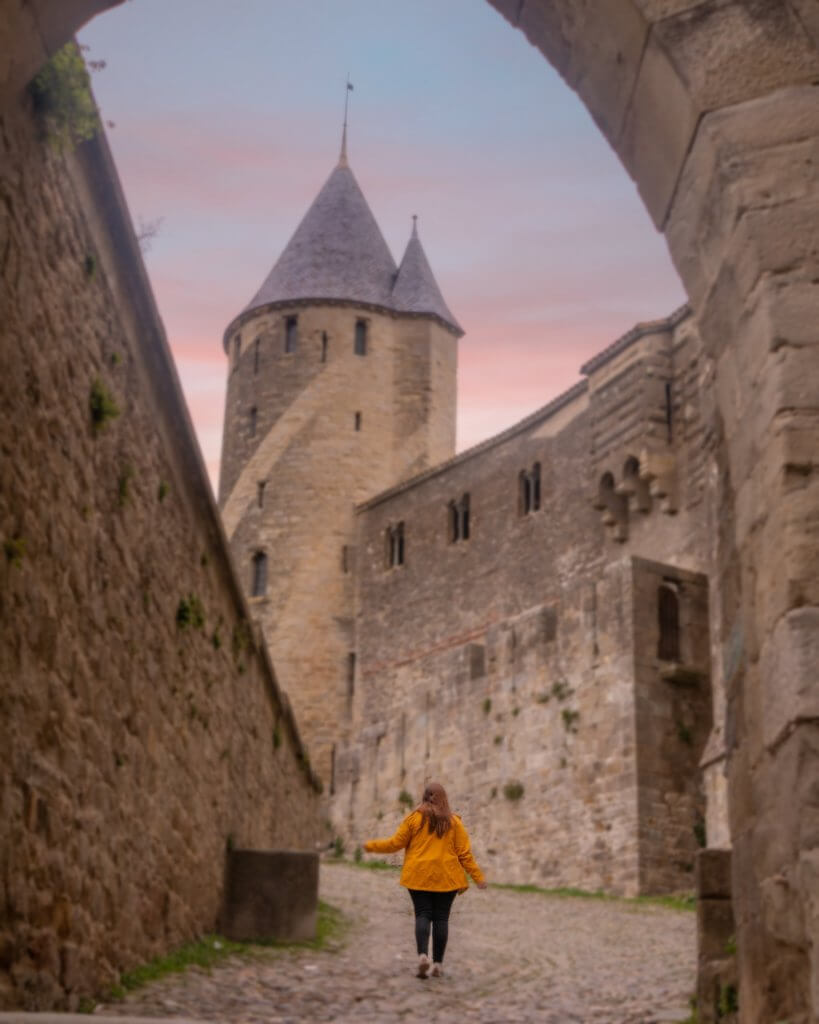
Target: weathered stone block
x=715 y=928
x=789 y=663
x=713 y=874
x=270 y=895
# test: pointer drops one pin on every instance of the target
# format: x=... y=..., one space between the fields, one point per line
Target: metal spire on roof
x=415 y=224
x=342 y=160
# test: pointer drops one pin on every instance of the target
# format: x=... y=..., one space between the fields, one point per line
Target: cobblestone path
x=512 y=958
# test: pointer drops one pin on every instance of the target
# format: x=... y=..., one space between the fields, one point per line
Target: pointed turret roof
x=415 y=289
x=337 y=252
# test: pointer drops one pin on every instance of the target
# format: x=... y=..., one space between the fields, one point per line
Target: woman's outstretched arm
x=464 y=853
x=402 y=836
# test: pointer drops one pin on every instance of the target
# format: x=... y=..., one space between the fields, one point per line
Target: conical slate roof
x=415 y=289
x=338 y=252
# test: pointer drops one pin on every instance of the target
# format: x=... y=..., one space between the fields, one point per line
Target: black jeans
x=432 y=909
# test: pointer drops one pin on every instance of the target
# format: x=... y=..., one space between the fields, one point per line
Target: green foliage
x=686 y=901
x=123 y=485
x=699 y=832
x=561 y=690
x=210 y=950
x=162 y=491
x=513 y=791
x=486 y=705
x=570 y=719
x=115 y=358
x=728 y=1001
x=358 y=855
x=378 y=865
x=338 y=847
x=14 y=548
x=101 y=405
x=203 y=560
x=684 y=734
x=189 y=612
x=216 y=640
x=61 y=92
x=515 y=712
x=731 y=946
x=498 y=740
x=543 y=698
x=240 y=639
x=405 y=799
x=277 y=737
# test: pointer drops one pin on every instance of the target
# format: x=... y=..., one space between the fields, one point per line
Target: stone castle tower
x=341 y=382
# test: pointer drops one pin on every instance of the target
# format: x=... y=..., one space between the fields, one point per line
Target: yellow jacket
x=430 y=863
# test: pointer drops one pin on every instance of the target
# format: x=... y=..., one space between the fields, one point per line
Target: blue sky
x=227 y=122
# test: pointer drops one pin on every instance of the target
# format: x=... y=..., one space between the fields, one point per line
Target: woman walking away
x=437 y=855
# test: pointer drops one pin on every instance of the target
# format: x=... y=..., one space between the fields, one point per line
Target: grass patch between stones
x=211 y=950
x=684 y=901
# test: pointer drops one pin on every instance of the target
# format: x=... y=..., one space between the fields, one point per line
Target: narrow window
x=668 y=613
x=358 y=421
x=291 y=333
x=254 y=415
x=465 y=517
x=332 y=769
x=458 y=519
x=260 y=493
x=395 y=545
x=256 y=347
x=350 y=674
x=324 y=346
x=360 y=347
x=529 y=490
x=345 y=559
x=259 y=579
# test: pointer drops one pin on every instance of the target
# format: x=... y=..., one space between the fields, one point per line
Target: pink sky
x=227 y=125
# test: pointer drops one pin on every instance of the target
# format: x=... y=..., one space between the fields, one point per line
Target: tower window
x=258 y=585
x=256 y=348
x=529 y=490
x=260 y=493
x=458 y=519
x=291 y=333
x=350 y=674
x=360 y=346
x=395 y=545
x=345 y=558
x=324 y=346
x=358 y=421
x=254 y=416
x=668 y=614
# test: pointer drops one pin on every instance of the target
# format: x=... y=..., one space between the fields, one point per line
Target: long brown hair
x=435 y=808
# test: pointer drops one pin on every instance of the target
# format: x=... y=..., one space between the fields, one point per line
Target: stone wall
x=141 y=724
x=520 y=665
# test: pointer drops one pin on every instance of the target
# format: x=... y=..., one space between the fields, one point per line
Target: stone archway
x=711 y=106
